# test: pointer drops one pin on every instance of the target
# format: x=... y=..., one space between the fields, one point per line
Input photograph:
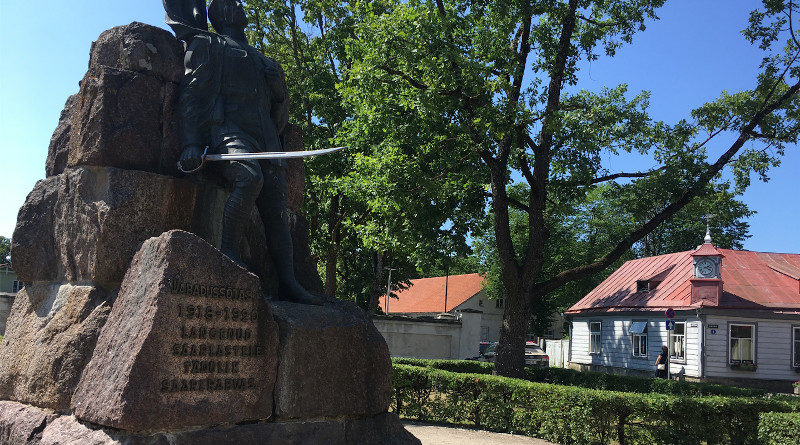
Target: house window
x=17 y=286
x=796 y=342
x=499 y=303
x=638 y=330
x=742 y=343
x=642 y=286
x=594 y=337
x=677 y=342
x=480 y=302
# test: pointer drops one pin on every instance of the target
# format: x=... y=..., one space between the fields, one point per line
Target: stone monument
x=133 y=327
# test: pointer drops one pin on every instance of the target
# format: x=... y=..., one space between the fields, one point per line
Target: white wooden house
x=736 y=314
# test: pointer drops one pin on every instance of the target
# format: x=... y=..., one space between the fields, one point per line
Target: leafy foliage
x=491 y=81
x=447 y=103
x=779 y=428
x=5 y=250
x=384 y=201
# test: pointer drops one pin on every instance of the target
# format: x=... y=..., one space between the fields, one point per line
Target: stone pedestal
x=133 y=328
x=331 y=362
x=23 y=424
x=51 y=334
x=189 y=334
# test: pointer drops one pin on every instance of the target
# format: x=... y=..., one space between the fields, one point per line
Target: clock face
x=705 y=268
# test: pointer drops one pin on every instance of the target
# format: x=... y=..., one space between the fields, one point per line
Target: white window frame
x=752 y=326
x=672 y=356
x=795 y=343
x=599 y=335
x=17 y=286
x=636 y=340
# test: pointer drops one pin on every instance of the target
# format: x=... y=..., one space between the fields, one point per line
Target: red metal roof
x=707 y=249
x=426 y=295
x=751 y=280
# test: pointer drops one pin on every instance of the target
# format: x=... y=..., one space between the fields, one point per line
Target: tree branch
x=510 y=201
x=791 y=26
x=526 y=168
x=413 y=82
x=610 y=177
x=440 y=6
x=624 y=245
x=537 y=229
x=595 y=22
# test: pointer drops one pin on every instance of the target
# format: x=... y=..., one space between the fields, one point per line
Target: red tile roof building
x=427 y=295
x=737 y=317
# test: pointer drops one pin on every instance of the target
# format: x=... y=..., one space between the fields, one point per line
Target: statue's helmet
x=226 y=13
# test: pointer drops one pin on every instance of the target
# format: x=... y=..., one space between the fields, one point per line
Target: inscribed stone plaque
x=189 y=342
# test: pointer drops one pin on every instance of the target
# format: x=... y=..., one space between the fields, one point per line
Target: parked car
x=482 y=346
x=488 y=354
x=534 y=355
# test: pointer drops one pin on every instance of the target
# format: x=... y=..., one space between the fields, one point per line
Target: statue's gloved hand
x=191 y=158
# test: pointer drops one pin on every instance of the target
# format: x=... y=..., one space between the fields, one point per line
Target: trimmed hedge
x=593 y=380
x=459 y=366
x=613 y=382
x=573 y=415
x=779 y=428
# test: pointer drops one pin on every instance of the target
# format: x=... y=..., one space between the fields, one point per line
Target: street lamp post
x=388 y=288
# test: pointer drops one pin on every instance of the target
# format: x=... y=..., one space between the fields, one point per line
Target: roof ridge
x=750 y=280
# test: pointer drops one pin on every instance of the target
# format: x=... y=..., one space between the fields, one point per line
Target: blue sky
x=687 y=58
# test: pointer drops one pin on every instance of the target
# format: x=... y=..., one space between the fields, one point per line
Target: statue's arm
x=198 y=95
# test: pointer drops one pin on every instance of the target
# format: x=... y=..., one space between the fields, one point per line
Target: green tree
x=383 y=201
x=490 y=83
x=5 y=250
x=590 y=228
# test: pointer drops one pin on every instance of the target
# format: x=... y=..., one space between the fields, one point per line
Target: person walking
x=661 y=363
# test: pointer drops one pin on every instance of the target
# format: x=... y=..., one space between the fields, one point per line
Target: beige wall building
x=9 y=286
x=429 y=297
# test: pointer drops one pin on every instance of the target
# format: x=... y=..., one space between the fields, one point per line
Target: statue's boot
x=280 y=247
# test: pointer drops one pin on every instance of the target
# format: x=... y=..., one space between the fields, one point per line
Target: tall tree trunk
x=511 y=351
x=298 y=57
x=375 y=288
x=510 y=360
x=332 y=255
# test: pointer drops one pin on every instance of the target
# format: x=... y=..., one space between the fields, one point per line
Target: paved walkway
x=440 y=435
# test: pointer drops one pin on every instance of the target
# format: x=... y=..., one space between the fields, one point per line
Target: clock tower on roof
x=707 y=277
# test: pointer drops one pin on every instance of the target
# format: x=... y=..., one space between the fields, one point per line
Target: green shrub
x=791 y=400
x=594 y=380
x=599 y=380
x=461 y=366
x=574 y=415
x=779 y=428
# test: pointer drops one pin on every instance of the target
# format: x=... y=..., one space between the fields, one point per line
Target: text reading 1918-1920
x=215 y=339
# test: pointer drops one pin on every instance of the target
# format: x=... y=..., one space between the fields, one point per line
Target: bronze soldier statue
x=234 y=100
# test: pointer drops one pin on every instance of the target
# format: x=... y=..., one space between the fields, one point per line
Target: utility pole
x=388 y=288
x=446 y=280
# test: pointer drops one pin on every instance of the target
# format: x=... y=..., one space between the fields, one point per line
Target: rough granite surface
x=51 y=333
x=332 y=362
x=189 y=342
x=24 y=425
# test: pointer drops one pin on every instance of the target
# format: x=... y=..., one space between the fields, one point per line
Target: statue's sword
x=259 y=156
